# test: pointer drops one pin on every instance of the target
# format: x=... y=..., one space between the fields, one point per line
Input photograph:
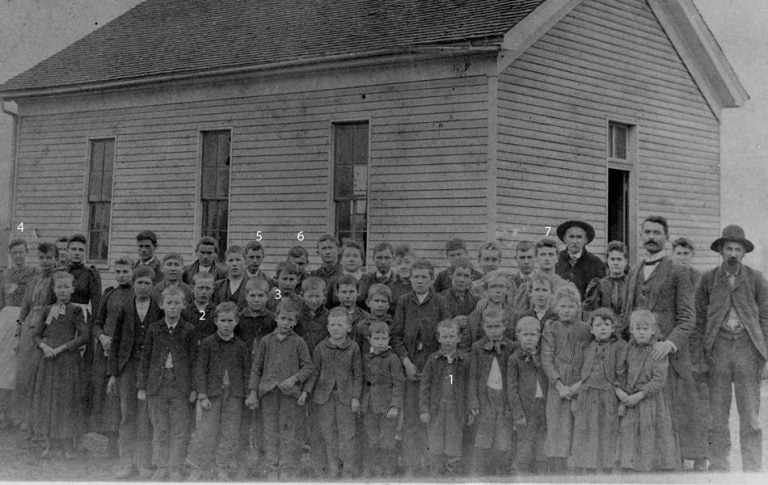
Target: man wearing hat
x=732 y=324
x=576 y=264
x=664 y=287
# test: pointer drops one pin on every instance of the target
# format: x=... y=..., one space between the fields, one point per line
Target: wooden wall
x=606 y=60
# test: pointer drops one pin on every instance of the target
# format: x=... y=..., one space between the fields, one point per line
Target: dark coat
x=384 y=382
x=431 y=385
x=124 y=337
x=336 y=367
x=218 y=270
x=215 y=357
x=523 y=372
x=181 y=342
x=480 y=366
x=414 y=329
x=587 y=268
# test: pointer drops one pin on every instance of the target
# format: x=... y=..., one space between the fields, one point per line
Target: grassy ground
x=19 y=464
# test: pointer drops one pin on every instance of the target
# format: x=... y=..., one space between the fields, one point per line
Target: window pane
x=210 y=149
x=106 y=186
x=98 y=230
x=343 y=218
x=618 y=142
x=95 y=184
x=109 y=154
x=343 y=180
x=222 y=183
x=222 y=157
x=360 y=142
x=209 y=183
x=344 y=145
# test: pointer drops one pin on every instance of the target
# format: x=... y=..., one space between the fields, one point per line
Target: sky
x=31 y=30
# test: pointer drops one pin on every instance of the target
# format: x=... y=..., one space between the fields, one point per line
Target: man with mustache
x=732 y=322
x=576 y=264
x=664 y=287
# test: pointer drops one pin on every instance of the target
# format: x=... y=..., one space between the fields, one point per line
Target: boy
x=221 y=378
x=383 y=256
x=351 y=265
x=527 y=387
x=300 y=257
x=525 y=254
x=172 y=268
x=313 y=316
x=454 y=250
x=442 y=401
x=232 y=288
x=413 y=339
x=207 y=251
x=382 y=399
x=165 y=382
x=254 y=255
x=379 y=298
x=494 y=435
x=105 y=416
x=287 y=275
x=131 y=323
x=346 y=290
x=146 y=242
x=201 y=313
x=458 y=297
x=546 y=258
x=328 y=250
x=404 y=259
x=280 y=367
x=489 y=257
x=336 y=385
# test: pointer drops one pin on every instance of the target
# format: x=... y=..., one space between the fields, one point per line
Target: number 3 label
x=278 y=295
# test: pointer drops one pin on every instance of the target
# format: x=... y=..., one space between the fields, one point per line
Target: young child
x=383 y=257
x=56 y=407
x=347 y=294
x=414 y=332
x=461 y=303
x=254 y=323
x=221 y=378
x=351 y=265
x=527 y=393
x=379 y=299
x=562 y=349
x=328 y=250
x=280 y=367
x=336 y=386
x=455 y=249
x=207 y=251
x=542 y=290
x=287 y=275
x=300 y=257
x=165 y=381
x=233 y=287
x=173 y=270
x=254 y=255
x=105 y=413
x=312 y=323
x=382 y=399
x=131 y=323
x=646 y=442
x=494 y=435
x=442 y=401
x=609 y=291
x=496 y=287
x=489 y=257
x=201 y=312
x=596 y=419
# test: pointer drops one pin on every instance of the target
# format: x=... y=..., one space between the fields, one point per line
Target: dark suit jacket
x=155 y=265
x=181 y=342
x=221 y=293
x=218 y=270
x=587 y=268
x=124 y=336
x=668 y=293
x=749 y=297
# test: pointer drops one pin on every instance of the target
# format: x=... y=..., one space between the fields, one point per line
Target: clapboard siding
x=428 y=152
x=606 y=60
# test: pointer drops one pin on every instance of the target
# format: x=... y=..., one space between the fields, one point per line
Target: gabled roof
x=165 y=37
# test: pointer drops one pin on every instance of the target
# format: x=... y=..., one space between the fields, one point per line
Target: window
x=618 y=141
x=350 y=181
x=618 y=205
x=214 y=193
x=622 y=194
x=100 y=198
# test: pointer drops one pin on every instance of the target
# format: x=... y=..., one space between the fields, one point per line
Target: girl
x=542 y=289
x=56 y=410
x=609 y=291
x=562 y=347
x=38 y=294
x=646 y=442
x=13 y=285
x=596 y=423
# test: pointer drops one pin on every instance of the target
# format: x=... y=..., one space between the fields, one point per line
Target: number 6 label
x=300 y=236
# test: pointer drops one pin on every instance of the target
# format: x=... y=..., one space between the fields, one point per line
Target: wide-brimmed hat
x=732 y=233
x=568 y=224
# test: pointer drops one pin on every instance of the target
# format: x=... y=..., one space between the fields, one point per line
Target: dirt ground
x=19 y=464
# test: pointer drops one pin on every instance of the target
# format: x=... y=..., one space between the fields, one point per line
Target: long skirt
x=559 y=426
x=8 y=327
x=27 y=359
x=56 y=400
x=646 y=441
x=595 y=429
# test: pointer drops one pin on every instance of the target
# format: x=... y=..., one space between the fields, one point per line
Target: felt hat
x=568 y=224
x=732 y=233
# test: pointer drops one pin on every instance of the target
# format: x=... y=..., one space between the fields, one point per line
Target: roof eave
x=411 y=53
x=702 y=55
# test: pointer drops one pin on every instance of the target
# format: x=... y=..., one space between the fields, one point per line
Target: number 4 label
x=20 y=227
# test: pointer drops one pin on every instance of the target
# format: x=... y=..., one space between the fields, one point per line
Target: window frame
x=199 y=202
x=629 y=165
x=86 y=213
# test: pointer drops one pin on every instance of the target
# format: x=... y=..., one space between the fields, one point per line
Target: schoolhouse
x=400 y=120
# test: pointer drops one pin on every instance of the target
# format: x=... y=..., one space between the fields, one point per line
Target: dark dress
x=13 y=285
x=56 y=398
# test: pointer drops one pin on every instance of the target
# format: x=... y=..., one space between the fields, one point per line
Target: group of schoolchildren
x=221 y=367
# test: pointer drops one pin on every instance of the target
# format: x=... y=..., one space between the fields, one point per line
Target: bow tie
x=651 y=263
